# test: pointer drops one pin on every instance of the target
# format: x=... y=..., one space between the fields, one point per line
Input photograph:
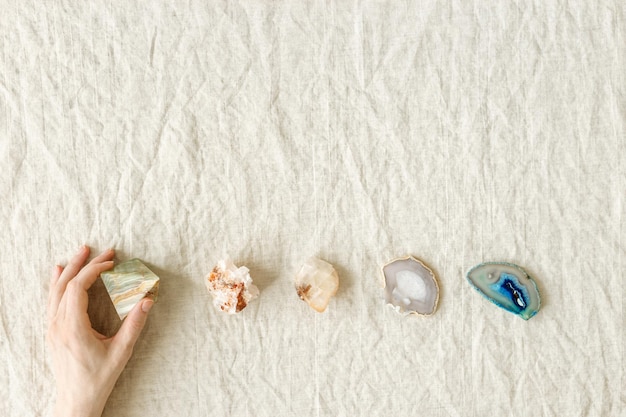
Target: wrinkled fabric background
x=357 y=131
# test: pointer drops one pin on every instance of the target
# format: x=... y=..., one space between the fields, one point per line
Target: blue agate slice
x=507 y=286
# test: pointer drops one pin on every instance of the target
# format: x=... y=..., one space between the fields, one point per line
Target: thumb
x=128 y=334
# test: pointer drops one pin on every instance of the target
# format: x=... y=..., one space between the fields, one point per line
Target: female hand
x=86 y=364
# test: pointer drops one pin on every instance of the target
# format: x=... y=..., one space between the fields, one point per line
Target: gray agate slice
x=507 y=286
x=410 y=286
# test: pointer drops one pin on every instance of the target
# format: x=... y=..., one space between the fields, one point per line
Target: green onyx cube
x=129 y=283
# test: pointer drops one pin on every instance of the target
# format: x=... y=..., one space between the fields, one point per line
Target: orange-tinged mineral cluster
x=231 y=287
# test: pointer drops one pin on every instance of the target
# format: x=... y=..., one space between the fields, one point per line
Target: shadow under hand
x=101 y=311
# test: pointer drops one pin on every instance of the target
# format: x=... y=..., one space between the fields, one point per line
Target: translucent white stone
x=410 y=286
x=316 y=283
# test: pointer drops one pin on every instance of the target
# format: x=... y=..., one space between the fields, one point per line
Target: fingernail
x=147 y=305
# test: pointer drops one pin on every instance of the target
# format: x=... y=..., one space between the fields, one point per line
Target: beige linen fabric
x=356 y=131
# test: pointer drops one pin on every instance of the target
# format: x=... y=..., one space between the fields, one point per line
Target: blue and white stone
x=129 y=283
x=507 y=286
x=410 y=286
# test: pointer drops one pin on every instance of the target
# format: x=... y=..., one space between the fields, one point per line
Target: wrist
x=67 y=407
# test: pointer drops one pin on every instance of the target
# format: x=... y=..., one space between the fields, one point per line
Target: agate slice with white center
x=410 y=286
x=316 y=283
x=129 y=283
x=507 y=286
x=231 y=287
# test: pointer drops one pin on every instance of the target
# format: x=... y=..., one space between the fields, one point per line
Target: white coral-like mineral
x=316 y=283
x=231 y=287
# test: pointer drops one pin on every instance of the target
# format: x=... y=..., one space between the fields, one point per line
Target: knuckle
x=73 y=286
x=88 y=270
x=75 y=262
x=94 y=269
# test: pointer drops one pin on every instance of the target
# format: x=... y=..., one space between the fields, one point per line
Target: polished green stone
x=128 y=283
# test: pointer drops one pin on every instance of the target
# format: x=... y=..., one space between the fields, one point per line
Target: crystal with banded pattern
x=410 y=286
x=128 y=283
x=508 y=286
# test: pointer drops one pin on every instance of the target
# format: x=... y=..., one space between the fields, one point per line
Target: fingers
x=107 y=255
x=75 y=298
x=58 y=284
x=128 y=334
x=74 y=271
x=77 y=262
x=88 y=275
x=56 y=273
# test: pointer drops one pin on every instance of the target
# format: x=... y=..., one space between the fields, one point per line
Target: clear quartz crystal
x=316 y=283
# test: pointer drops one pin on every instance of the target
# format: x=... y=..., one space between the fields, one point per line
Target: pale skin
x=86 y=364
